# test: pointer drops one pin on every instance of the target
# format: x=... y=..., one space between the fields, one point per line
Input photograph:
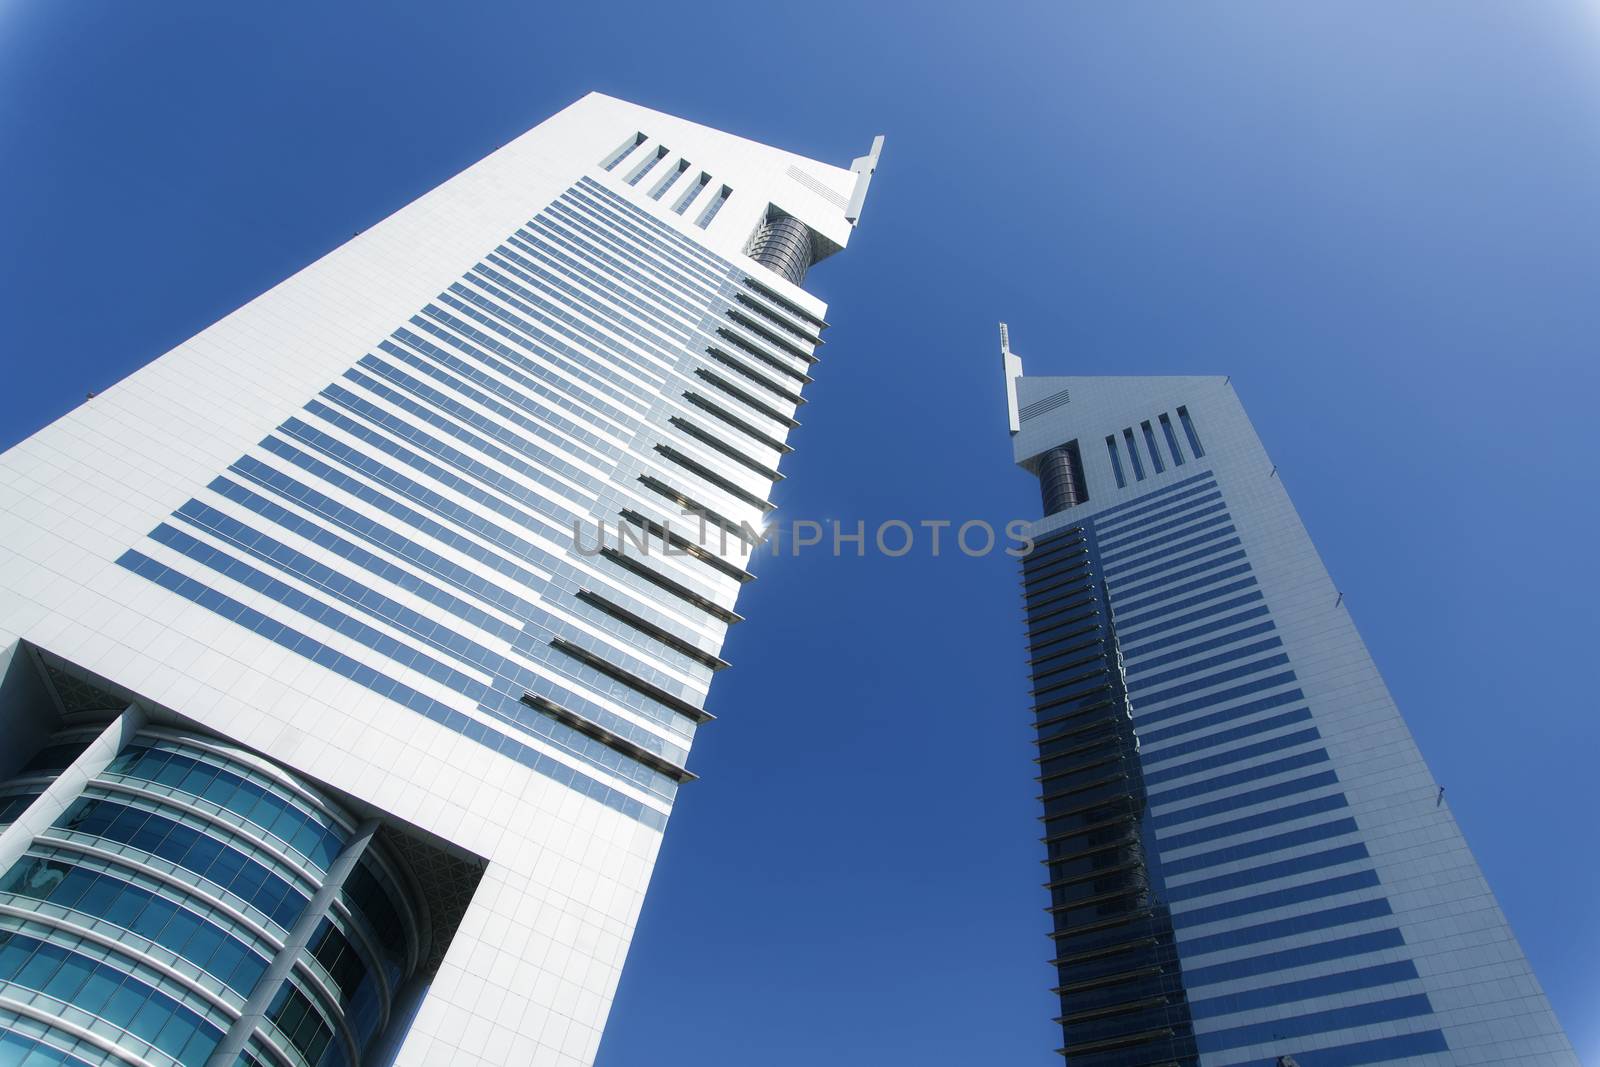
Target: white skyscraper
x=324 y=741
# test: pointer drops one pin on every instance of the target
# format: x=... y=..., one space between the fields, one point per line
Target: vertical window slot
x=691 y=193
x=649 y=164
x=1133 y=455
x=666 y=183
x=712 y=208
x=1172 y=440
x=1188 y=431
x=624 y=150
x=1150 y=443
x=1116 y=460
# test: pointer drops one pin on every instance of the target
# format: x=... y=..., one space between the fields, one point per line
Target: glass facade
x=1165 y=704
x=483 y=429
x=150 y=913
x=434 y=524
x=1249 y=863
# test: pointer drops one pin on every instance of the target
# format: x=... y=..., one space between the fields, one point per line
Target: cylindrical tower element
x=784 y=244
x=152 y=910
x=1061 y=479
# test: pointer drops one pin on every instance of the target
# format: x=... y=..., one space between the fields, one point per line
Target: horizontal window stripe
x=1121 y=539
x=1222 y=737
x=1212 y=522
x=1237 y=651
x=663 y=241
x=1382 y=1011
x=1171 y=565
x=386 y=539
x=438 y=639
x=1244 y=800
x=597 y=203
x=1209 y=576
x=1141 y=504
x=1276 y=816
x=1130 y=636
x=356 y=522
x=565 y=454
x=1211 y=700
x=453 y=372
x=531 y=336
x=339 y=584
x=1147 y=700
x=1269 y=872
x=1138 y=653
x=364 y=675
x=1324 y=985
x=1240 y=777
x=442 y=469
x=504 y=272
x=1151 y=503
x=521 y=367
x=306 y=605
x=1233 y=755
x=1203 y=532
x=1277 y=898
x=1237 y=711
x=1340 y=948
x=636 y=296
x=1133 y=622
x=1379 y=1050
x=1295 y=925
x=1258 y=846
x=1118 y=545
x=596 y=244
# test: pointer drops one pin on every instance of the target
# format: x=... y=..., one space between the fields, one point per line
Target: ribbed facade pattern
x=1122 y=997
x=1209 y=888
x=452 y=523
x=595 y=367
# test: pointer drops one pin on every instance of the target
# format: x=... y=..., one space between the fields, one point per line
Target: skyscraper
x=334 y=734
x=1247 y=856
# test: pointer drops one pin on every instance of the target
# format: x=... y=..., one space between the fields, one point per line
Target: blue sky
x=1379 y=218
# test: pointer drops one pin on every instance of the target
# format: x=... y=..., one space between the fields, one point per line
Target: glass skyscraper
x=1248 y=860
x=351 y=652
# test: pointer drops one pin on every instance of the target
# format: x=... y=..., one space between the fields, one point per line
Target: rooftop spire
x=863 y=166
x=1012 y=365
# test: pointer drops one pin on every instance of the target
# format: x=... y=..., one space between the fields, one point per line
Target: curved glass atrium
x=171 y=899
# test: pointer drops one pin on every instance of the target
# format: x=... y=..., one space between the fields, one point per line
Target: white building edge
x=530 y=973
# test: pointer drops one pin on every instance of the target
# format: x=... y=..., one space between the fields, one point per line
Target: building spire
x=863 y=167
x=1012 y=364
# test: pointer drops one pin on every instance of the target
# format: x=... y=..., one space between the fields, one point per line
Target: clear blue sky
x=1380 y=218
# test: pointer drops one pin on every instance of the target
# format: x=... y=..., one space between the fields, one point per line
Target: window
x=1150 y=443
x=1116 y=461
x=712 y=208
x=1188 y=431
x=649 y=164
x=1133 y=455
x=1172 y=440
x=624 y=150
x=690 y=193
x=671 y=176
